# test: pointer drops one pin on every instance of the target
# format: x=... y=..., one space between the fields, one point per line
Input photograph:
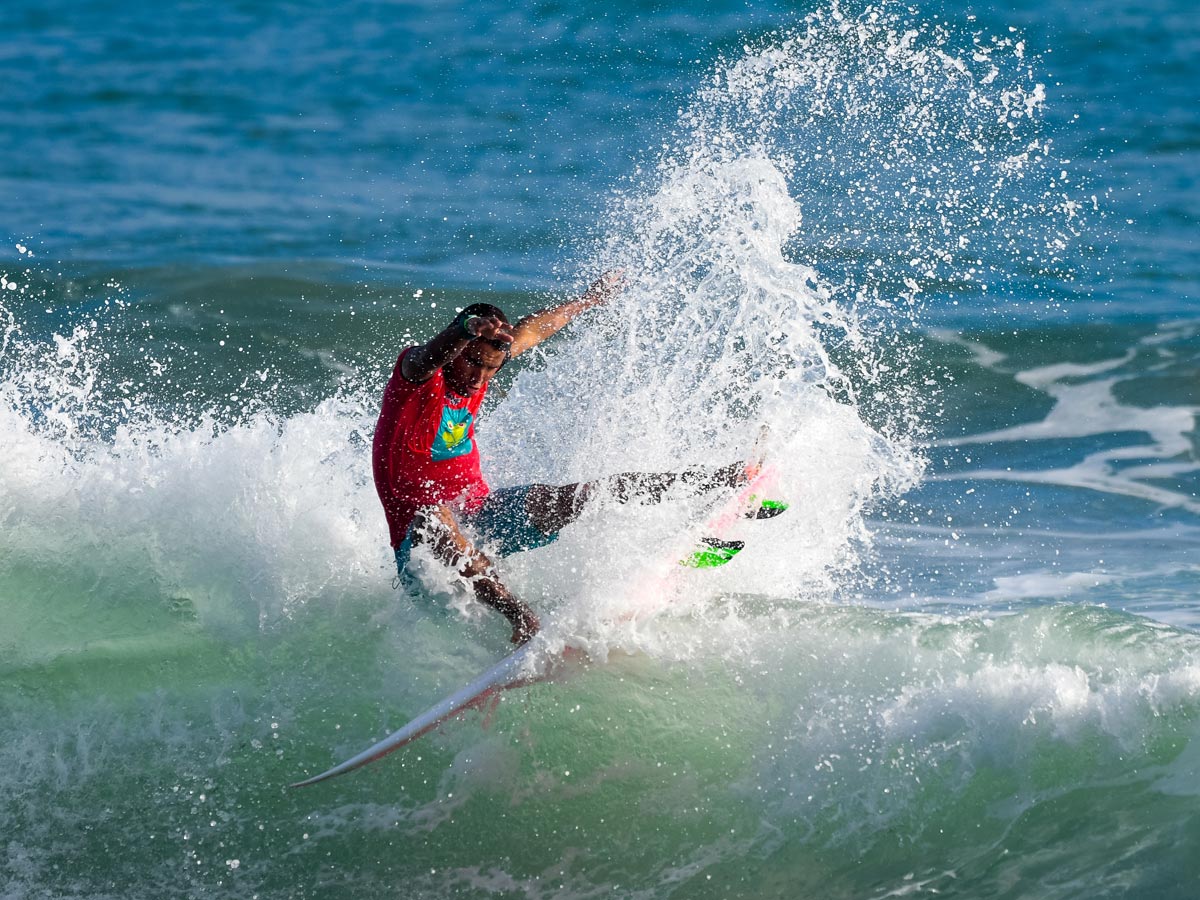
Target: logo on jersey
x=453 y=435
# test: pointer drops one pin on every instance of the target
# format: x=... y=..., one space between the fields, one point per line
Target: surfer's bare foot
x=733 y=475
x=525 y=624
x=750 y=470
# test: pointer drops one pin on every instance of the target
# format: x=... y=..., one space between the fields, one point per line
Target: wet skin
x=474 y=367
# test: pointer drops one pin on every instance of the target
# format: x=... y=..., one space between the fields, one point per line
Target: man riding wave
x=426 y=463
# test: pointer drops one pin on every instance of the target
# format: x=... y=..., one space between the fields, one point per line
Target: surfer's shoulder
x=412 y=365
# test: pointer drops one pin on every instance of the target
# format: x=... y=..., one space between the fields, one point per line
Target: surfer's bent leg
x=550 y=508
x=651 y=487
x=437 y=527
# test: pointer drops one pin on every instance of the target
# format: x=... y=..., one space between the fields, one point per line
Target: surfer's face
x=474 y=367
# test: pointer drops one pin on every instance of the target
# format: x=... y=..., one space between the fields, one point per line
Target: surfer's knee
x=642 y=487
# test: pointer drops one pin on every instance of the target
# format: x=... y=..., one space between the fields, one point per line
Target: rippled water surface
x=949 y=255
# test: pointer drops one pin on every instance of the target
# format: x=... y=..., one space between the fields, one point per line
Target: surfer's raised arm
x=487 y=324
x=533 y=329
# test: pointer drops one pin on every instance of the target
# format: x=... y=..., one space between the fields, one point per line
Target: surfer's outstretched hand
x=604 y=288
x=490 y=591
x=525 y=624
x=524 y=621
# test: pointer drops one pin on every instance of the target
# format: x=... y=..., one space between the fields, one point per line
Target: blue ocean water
x=948 y=251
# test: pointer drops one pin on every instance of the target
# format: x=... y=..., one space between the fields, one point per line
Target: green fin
x=714 y=553
x=768 y=509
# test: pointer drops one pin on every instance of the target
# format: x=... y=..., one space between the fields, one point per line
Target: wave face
x=964 y=662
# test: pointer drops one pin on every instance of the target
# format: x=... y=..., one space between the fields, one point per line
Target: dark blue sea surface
x=949 y=252
x=470 y=140
x=479 y=142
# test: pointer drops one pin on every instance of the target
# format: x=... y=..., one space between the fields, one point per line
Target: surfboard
x=526 y=665
x=534 y=662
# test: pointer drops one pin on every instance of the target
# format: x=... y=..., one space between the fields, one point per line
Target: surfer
x=426 y=464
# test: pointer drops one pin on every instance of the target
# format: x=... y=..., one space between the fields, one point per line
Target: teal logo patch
x=453 y=434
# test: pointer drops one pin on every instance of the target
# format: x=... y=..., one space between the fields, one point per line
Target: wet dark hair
x=487 y=309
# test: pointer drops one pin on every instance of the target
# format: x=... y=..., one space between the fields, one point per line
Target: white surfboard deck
x=524 y=666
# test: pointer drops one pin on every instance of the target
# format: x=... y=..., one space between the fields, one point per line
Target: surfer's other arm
x=438 y=527
x=480 y=322
x=487 y=325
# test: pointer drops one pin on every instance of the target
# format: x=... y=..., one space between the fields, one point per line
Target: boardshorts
x=501 y=527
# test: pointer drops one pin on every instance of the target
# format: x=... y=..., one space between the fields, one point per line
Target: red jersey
x=424 y=451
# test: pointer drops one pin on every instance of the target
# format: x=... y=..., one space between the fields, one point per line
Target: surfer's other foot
x=525 y=624
x=736 y=473
x=744 y=471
